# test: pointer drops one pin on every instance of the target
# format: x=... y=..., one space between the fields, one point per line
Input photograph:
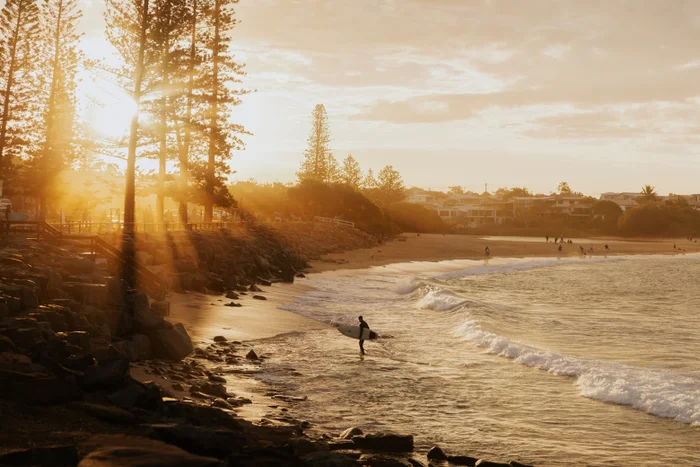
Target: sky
x=602 y=94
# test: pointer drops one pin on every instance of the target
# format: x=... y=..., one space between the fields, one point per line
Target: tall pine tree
x=317 y=156
x=222 y=75
x=19 y=35
x=62 y=57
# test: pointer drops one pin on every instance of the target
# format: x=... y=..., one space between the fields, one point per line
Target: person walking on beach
x=363 y=326
x=487 y=251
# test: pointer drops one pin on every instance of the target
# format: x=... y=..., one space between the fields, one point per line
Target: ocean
x=554 y=362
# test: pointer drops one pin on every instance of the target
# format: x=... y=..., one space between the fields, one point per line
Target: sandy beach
x=206 y=316
x=436 y=247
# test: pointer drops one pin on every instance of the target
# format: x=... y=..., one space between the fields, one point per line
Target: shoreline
x=437 y=247
x=206 y=316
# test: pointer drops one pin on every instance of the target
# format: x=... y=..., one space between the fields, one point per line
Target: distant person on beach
x=560 y=248
x=590 y=247
x=487 y=251
x=606 y=248
x=363 y=326
x=583 y=252
x=546 y=238
x=674 y=247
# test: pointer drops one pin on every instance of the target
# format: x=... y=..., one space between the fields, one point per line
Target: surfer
x=363 y=326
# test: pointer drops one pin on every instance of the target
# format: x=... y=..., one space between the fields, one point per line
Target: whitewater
x=572 y=361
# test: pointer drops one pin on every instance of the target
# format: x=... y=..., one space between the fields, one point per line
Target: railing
x=328 y=220
x=144 y=278
x=100 y=228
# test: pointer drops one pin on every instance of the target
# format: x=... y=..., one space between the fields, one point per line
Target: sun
x=112 y=118
x=105 y=107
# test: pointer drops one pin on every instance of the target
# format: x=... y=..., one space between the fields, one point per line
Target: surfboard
x=354 y=332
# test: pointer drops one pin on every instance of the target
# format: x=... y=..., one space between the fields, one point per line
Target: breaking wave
x=654 y=391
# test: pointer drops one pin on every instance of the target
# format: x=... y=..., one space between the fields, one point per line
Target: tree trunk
x=185 y=151
x=128 y=247
x=209 y=202
x=8 y=88
x=160 y=197
x=50 y=116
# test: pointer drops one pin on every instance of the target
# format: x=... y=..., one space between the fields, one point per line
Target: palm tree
x=649 y=193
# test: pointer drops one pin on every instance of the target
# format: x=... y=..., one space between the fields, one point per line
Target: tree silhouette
x=564 y=189
x=390 y=187
x=318 y=152
x=351 y=173
x=219 y=20
x=649 y=193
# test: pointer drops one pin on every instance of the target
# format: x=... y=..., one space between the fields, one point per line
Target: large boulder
x=38 y=388
x=129 y=451
x=110 y=373
x=51 y=456
x=385 y=442
x=213 y=442
x=6 y=344
x=161 y=307
x=437 y=454
x=142 y=346
x=171 y=344
x=329 y=459
x=467 y=461
x=135 y=394
x=196 y=414
x=485 y=463
x=108 y=413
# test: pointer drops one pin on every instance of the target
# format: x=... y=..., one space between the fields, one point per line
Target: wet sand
x=436 y=247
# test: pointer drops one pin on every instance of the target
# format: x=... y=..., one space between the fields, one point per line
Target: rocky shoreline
x=70 y=357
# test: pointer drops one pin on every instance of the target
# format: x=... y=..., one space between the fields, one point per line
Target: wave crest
x=658 y=392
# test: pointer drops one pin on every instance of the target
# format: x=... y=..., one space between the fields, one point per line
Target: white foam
x=441 y=300
x=409 y=286
x=657 y=392
x=525 y=264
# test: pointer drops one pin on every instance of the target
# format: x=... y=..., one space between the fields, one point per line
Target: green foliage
x=508 y=193
x=606 y=216
x=411 y=217
x=654 y=219
x=266 y=201
x=315 y=198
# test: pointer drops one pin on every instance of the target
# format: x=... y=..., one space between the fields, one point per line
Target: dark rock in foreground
x=376 y=460
x=204 y=441
x=384 y=442
x=128 y=451
x=437 y=454
x=171 y=344
x=467 y=461
x=58 y=456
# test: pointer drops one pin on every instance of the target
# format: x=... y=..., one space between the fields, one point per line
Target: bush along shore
x=69 y=356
